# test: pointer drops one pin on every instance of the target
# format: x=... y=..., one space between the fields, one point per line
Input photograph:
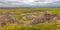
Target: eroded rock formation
x=8 y=18
x=34 y=19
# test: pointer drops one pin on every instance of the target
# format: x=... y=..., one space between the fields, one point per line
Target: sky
x=29 y=3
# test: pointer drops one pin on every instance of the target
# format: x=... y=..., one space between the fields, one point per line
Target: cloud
x=29 y=3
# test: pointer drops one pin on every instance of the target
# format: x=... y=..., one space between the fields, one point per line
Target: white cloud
x=27 y=2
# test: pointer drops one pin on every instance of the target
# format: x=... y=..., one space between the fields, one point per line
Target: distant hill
x=9 y=7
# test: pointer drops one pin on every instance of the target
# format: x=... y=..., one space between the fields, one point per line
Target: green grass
x=42 y=26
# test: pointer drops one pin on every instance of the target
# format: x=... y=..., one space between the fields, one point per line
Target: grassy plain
x=41 y=26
